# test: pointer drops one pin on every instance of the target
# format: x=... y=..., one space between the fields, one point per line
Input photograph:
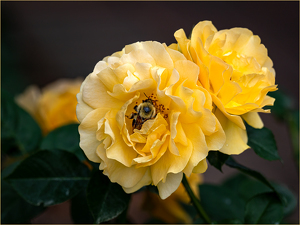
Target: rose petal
x=87 y=130
x=170 y=185
x=170 y=163
x=200 y=150
x=127 y=177
x=94 y=93
x=146 y=180
x=201 y=167
x=253 y=119
x=236 y=138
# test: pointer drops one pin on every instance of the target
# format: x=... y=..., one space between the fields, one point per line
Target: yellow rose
x=170 y=210
x=145 y=119
x=236 y=70
x=54 y=105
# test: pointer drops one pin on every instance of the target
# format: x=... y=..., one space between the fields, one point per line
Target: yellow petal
x=119 y=150
x=87 y=130
x=143 y=159
x=172 y=182
x=129 y=80
x=120 y=93
x=180 y=137
x=94 y=93
x=121 y=122
x=159 y=54
x=160 y=152
x=268 y=101
x=253 y=119
x=236 y=119
x=174 y=53
x=198 y=50
x=236 y=138
x=201 y=167
x=200 y=150
x=121 y=72
x=207 y=121
x=204 y=72
x=101 y=65
x=216 y=70
x=154 y=137
x=146 y=180
x=127 y=177
x=188 y=71
x=137 y=56
x=216 y=140
x=202 y=30
x=255 y=49
x=173 y=122
x=229 y=91
x=239 y=109
x=142 y=71
x=170 y=163
x=137 y=137
x=108 y=78
x=173 y=46
x=177 y=132
x=183 y=43
x=82 y=109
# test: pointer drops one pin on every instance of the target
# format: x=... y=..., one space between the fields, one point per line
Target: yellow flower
x=236 y=70
x=145 y=119
x=170 y=210
x=54 y=105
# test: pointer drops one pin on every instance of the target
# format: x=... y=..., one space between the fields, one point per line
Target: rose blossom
x=135 y=150
x=236 y=70
x=54 y=105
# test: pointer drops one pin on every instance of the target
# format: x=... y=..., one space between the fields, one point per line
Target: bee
x=144 y=111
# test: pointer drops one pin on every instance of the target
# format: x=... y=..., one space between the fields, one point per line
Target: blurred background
x=44 y=41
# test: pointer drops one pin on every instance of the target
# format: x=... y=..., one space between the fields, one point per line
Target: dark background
x=44 y=41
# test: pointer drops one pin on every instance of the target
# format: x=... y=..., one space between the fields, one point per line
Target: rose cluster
x=151 y=112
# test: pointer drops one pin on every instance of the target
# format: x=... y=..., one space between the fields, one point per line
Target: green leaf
x=79 y=209
x=106 y=200
x=48 y=178
x=221 y=203
x=64 y=138
x=19 y=131
x=264 y=209
x=233 y=183
x=8 y=170
x=246 y=188
x=233 y=164
x=217 y=159
x=262 y=141
x=250 y=187
x=14 y=209
x=282 y=105
x=289 y=197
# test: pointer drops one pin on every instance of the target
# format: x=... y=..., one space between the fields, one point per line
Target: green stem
x=195 y=201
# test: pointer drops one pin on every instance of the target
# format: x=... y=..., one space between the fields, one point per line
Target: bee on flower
x=145 y=117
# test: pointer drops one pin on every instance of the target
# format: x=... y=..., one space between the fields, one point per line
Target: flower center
x=146 y=110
